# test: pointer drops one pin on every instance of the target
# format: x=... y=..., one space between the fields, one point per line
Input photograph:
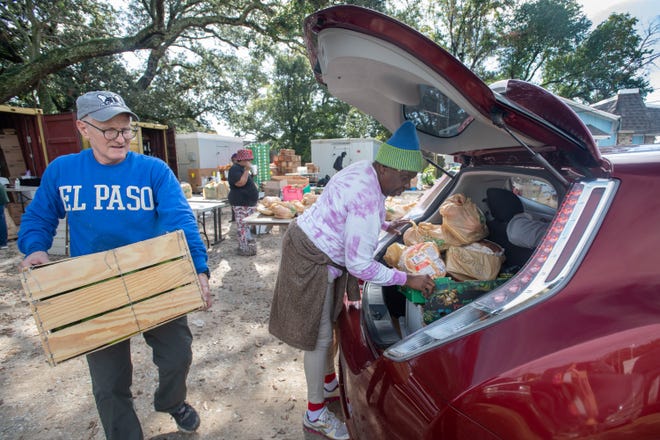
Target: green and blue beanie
x=401 y=151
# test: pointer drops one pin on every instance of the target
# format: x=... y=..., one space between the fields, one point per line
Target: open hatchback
x=563 y=342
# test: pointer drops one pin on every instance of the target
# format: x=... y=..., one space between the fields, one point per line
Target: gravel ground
x=244 y=383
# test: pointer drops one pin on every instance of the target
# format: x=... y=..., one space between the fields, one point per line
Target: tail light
x=551 y=266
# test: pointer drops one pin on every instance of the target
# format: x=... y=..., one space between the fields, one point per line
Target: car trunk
x=392 y=314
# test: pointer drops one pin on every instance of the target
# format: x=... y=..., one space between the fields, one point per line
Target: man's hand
x=423 y=283
x=34 y=259
x=206 y=290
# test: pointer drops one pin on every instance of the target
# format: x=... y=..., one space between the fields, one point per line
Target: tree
x=609 y=59
x=287 y=108
x=466 y=28
x=44 y=37
x=538 y=32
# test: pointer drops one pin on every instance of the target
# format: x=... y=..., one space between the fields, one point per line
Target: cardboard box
x=9 y=142
x=12 y=155
x=12 y=230
x=15 y=212
x=197 y=177
x=87 y=303
x=274 y=187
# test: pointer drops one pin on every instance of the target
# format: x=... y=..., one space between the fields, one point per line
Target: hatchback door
x=393 y=73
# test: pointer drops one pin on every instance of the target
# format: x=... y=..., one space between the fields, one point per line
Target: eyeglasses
x=111 y=134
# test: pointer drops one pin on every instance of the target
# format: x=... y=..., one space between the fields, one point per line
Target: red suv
x=569 y=345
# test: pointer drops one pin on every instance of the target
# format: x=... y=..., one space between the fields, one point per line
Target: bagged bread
x=269 y=200
x=298 y=206
x=282 y=210
x=263 y=210
x=477 y=261
x=393 y=254
x=309 y=199
x=423 y=258
x=396 y=208
x=187 y=189
x=462 y=221
x=425 y=231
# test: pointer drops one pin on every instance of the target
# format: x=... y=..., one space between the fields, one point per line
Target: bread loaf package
x=423 y=258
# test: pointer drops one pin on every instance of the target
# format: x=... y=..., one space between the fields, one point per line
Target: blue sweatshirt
x=108 y=206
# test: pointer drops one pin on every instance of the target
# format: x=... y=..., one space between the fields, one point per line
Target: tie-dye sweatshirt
x=345 y=223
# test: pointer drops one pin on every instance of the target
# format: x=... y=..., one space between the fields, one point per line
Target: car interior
x=500 y=193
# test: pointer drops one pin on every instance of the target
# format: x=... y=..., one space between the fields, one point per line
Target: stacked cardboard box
x=312 y=168
x=287 y=161
x=13 y=156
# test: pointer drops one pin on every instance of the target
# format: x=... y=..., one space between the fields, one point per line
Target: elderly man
x=335 y=237
x=114 y=197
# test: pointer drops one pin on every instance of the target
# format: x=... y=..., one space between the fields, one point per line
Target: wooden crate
x=87 y=303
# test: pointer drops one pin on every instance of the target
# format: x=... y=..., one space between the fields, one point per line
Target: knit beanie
x=401 y=151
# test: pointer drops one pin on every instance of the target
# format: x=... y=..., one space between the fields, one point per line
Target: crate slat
x=48 y=280
x=99 y=298
x=86 y=303
x=92 y=334
x=121 y=324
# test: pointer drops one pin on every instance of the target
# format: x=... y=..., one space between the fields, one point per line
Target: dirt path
x=244 y=382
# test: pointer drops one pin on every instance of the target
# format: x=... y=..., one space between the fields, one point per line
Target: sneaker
x=327 y=425
x=331 y=396
x=186 y=418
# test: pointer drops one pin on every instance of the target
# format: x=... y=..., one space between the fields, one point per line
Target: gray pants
x=111 y=370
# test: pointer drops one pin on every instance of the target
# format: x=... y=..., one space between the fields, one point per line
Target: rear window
x=535 y=189
x=437 y=115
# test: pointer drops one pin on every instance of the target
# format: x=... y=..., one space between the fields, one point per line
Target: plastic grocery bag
x=476 y=261
x=462 y=221
x=393 y=254
x=425 y=231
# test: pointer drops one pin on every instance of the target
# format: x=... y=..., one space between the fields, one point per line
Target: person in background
x=339 y=162
x=114 y=197
x=243 y=196
x=325 y=251
x=3 y=222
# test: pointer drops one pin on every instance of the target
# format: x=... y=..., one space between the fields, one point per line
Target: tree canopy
x=243 y=62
